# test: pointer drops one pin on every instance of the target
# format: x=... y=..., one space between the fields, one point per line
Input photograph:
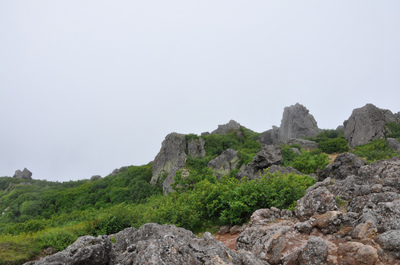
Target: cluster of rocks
x=150 y=245
x=24 y=174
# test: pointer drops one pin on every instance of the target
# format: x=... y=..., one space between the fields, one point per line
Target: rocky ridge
x=351 y=216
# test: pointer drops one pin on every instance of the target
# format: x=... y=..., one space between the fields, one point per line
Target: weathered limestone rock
x=394 y=144
x=25 y=174
x=390 y=241
x=196 y=147
x=345 y=164
x=358 y=254
x=270 y=137
x=284 y=170
x=306 y=144
x=366 y=124
x=224 y=163
x=316 y=201
x=169 y=160
x=231 y=126
x=86 y=250
x=297 y=122
x=166 y=244
x=328 y=222
x=268 y=155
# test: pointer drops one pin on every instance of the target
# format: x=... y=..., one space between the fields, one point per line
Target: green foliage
x=288 y=155
x=393 y=130
x=374 y=150
x=113 y=220
x=307 y=162
x=336 y=145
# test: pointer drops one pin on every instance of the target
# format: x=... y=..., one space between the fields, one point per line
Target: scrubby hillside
x=197 y=182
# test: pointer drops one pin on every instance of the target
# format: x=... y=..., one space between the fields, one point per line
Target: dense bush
x=375 y=150
x=336 y=145
x=393 y=130
x=306 y=162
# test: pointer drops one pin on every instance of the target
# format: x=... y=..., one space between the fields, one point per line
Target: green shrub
x=393 y=130
x=375 y=150
x=335 y=145
x=308 y=163
x=59 y=239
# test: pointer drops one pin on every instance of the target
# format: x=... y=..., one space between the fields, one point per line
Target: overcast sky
x=90 y=86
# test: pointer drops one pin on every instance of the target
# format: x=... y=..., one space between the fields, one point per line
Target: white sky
x=90 y=86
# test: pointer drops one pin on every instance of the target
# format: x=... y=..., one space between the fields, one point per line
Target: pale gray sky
x=90 y=86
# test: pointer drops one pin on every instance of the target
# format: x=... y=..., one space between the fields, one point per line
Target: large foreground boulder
x=87 y=250
x=366 y=124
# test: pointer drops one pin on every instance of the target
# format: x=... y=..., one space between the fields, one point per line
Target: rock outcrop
x=366 y=124
x=296 y=123
x=25 y=174
x=394 y=144
x=152 y=244
x=224 y=163
x=306 y=144
x=169 y=160
x=268 y=155
x=231 y=126
x=345 y=164
x=195 y=148
x=87 y=250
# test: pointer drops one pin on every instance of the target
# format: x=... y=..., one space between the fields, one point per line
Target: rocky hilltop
x=350 y=216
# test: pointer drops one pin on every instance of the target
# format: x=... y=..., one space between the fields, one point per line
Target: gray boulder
x=196 y=148
x=168 y=244
x=297 y=122
x=316 y=201
x=86 y=250
x=268 y=155
x=283 y=170
x=345 y=164
x=366 y=124
x=25 y=174
x=231 y=126
x=224 y=163
x=390 y=241
x=94 y=178
x=306 y=144
x=394 y=144
x=270 y=137
x=169 y=160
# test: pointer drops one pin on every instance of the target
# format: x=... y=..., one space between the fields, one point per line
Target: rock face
x=152 y=244
x=231 y=126
x=25 y=174
x=345 y=164
x=297 y=122
x=306 y=144
x=224 y=163
x=268 y=155
x=366 y=124
x=169 y=160
x=196 y=148
x=394 y=144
